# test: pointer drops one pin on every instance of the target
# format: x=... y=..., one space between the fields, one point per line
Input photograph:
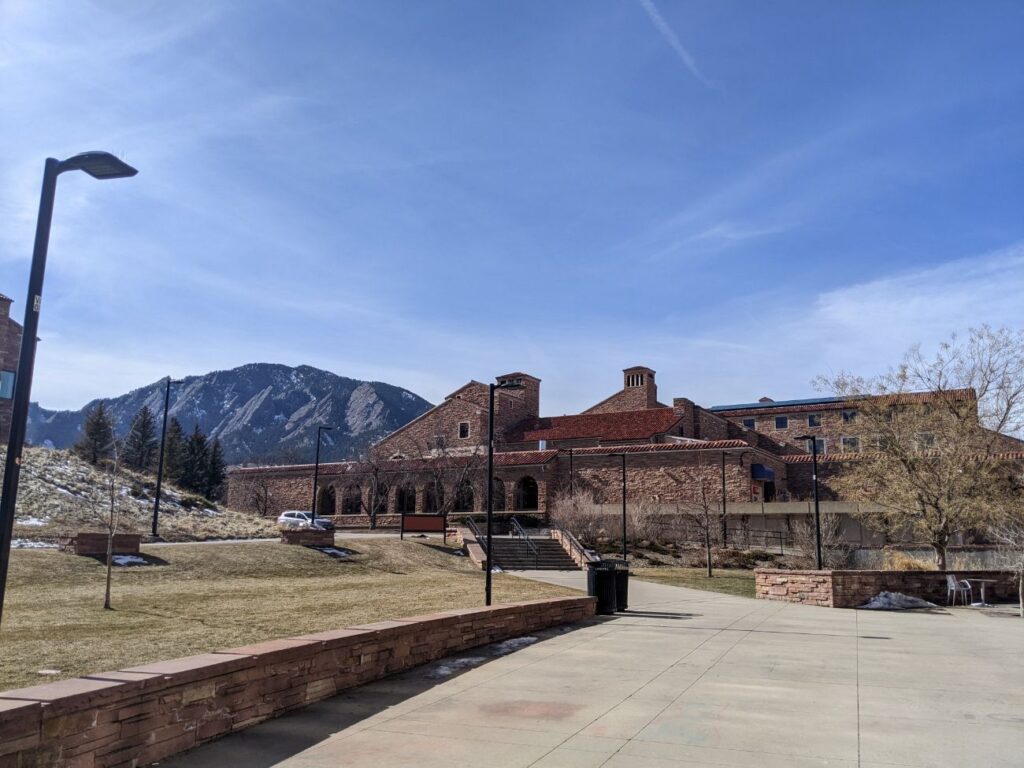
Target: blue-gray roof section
x=777 y=404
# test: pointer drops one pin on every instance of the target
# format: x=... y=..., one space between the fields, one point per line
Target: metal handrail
x=584 y=554
x=517 y=531
x=476 y=532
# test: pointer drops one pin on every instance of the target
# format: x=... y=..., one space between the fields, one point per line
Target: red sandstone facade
x=10 y=349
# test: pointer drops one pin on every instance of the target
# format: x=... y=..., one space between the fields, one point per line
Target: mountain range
x=261 y=412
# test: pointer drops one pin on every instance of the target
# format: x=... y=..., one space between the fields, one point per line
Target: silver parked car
x=298 y=519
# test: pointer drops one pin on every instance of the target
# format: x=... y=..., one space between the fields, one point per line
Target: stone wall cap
x=195 y=666
x=61 y=696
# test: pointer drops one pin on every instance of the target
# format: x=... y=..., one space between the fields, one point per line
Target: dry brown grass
x=730 y=582
x=215 y=596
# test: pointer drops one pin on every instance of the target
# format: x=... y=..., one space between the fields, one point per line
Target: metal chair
x=954 y=587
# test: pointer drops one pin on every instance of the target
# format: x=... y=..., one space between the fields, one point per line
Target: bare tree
x=701 y=484
x=935 y=428
x=1009 y=532
x=260 y=497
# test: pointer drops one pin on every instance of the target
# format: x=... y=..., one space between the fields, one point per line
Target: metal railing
x=575 y=548
x=476 y=532
x=516 y=531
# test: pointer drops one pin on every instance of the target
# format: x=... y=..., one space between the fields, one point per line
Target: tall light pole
x=316 y=470
x=623 y=457
x=490 y=479
x=99 y=165
x=160 y=463
x=817 y=512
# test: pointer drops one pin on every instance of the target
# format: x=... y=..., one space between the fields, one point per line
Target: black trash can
x=601 y=584
x=621 y=571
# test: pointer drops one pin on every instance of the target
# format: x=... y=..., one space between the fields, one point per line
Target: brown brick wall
x=832 y=428
x=849 y=589
x=144 y=714
x=10 y=350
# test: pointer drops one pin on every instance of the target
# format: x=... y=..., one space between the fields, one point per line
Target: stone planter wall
x=307 y=537
x=84 y=543
x=143 y=714
x=848 y=589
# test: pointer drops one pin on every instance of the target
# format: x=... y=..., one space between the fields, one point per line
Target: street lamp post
x=99 y=165
x=160 y=463
x=817 y=511
x=316 y=470
x=490 y=479
x=623 y=457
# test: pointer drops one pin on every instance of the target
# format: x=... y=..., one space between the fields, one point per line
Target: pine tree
x=174 y=451
x=216 y=471
x=97 y=435
x=141 y=443
x=196 y=462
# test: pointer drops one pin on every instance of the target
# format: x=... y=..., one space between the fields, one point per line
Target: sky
x=742 y=196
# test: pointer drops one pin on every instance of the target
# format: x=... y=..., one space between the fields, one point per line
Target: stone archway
x=527 y=494
x=405 y=502
x=326 y=501
x=352 y=500
x=464 y=497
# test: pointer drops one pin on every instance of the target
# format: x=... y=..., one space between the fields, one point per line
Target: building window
x=463 y=430
x=814 y=420
x=750 y=423
x=849 y=417
x=851 y=444
x=782 y=422
x=6 y=385
x=635 y=380
x=819 y=444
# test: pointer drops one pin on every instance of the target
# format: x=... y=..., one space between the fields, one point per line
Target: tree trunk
x=1020 y=591
x=110 y=567
x=707 y=544
x=940 y=553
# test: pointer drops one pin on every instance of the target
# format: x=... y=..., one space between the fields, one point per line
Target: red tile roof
x=696 y=445
x=623 y=425
x=501 y=459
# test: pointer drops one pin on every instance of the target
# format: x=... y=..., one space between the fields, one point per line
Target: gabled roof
x=619 y=425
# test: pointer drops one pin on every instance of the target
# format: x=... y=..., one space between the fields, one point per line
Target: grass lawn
x=215 y=596
x=730 y=581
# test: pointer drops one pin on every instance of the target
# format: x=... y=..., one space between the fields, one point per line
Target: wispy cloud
x=673 y=40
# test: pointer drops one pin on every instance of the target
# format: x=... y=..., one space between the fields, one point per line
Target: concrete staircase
x=512 y=554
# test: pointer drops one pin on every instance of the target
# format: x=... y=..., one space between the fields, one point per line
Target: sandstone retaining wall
x=135 y=716
x=849 y=589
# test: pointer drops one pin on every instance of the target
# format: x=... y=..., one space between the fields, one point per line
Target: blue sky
x=739 y=195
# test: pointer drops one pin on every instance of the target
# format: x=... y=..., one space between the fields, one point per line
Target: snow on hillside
x=59 y=494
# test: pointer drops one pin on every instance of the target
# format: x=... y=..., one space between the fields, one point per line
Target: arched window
x=464 y=497
x=325 y=501
x=352 y=500
x=405 y=504
x=499 y=495
x=434 y=499
x=526 y=494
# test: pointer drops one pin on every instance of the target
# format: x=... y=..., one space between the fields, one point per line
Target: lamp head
x=99 y=165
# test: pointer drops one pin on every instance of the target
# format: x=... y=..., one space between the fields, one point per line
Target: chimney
x=640 y=379
x=765 y=399
x=687 y=410
x=5 y=306
x=525 y=402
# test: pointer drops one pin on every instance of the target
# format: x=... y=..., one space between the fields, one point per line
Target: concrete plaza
x=685 y=678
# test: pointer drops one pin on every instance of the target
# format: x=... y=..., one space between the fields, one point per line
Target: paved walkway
x=685 y=678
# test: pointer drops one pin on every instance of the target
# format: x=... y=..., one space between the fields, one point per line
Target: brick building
x=10 y=349
x=437 y=460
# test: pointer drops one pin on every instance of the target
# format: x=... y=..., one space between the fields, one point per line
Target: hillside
x=261 y=412
x=60 y=494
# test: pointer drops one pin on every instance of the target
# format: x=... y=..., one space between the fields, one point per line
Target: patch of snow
x=513 y=644
x=129 y=560
x=32 y=544
x=497 y=569
x=29 y=521
x=408 y=395
x=334 y=551
x=896 y=601
x=451 y=666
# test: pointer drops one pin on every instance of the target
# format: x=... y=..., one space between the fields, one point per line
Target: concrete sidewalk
x=685 y=678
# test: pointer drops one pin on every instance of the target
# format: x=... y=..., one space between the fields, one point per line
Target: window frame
x=7 y=385
x=814 y=416
x=752 y=423
x=468 y=430
x=785 y=423
x=844 y=438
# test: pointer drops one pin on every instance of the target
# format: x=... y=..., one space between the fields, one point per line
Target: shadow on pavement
x=274 y=741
